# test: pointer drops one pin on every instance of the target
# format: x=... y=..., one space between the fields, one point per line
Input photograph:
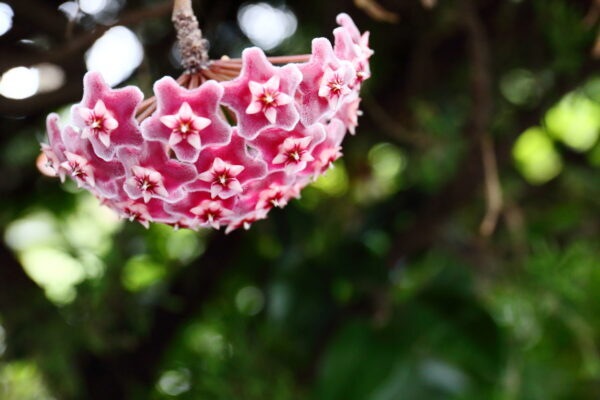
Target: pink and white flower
x=335 y=85
x=79 y=168
x=106 y=116
x=145 y=183
x=261 y=96
x=136 y=212
x=98 y=123
x=187 y=120
x=246 y=220
x=211 y=213
x=212 y=153
x=222 y=177
x=294 y=154
x=274 y=196
x=185 y=125
x=266 y=98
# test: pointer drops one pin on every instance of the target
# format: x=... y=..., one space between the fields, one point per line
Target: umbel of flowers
x=220 y=146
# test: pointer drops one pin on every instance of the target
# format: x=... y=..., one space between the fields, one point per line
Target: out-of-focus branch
x=67 y=56
x=76 y=47
x=478 y=50
x=393 y=128
x=468 y=178
x=429 y=3
x=376 y=11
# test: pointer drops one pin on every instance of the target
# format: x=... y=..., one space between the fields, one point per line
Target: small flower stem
x=274 y=60
x=192 y=46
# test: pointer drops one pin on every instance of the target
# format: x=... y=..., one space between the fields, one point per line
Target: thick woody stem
x=193 y=48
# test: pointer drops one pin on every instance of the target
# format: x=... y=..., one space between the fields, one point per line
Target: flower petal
x=194 y=140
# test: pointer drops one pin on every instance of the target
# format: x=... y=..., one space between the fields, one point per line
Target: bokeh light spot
x=335 y=181
x=250 y=300
x=535 y=156
x=92 y=6
x=175 y=382
x=575 y=121
x=265 y=25
x=6 y=18
x=115 y=55
x=141 y=272
x=19 y=83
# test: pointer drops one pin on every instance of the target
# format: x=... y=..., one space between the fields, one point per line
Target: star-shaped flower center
x=275 y=196
x=266 y=98
x=247 y=220
x=185 y=125
x=361 y=72
x=222 y=175
x=334 y=86
x=79 y=169
x=148 y=182
x=329 y=156
x=293 y=153
x=211 y=213
x=98 y=122
x=136 y=212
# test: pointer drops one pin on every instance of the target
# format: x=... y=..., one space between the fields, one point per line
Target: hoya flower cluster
x=220 y=147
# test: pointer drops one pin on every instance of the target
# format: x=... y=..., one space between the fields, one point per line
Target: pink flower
x=261 y=96
x=222 y=177
x=329 y=150
x=246 y=168
x=294 y=154
x=136 y=212
x=79 y=168
x=216 y=147
x=274 y=196
x=147 y=183
x=360 y=40
x=335 y=85
x=246 y=220
x=151 y=173
x=289 y=150
x=187 y=120
x=106 y=116
x=363 y=71
x=185 y=126
x=211 y=213
x=98 y=123
x=349 y=113
x=266 y=98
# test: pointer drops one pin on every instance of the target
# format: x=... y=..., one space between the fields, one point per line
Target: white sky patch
x=19 y=83
x=92 y=6
x=265 y=25
x=6 y=17
x=115 y=55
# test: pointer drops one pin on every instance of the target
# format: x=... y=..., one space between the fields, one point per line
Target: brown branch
x=392 y=127
x=193 y=48
x=478 y=50
x=376 y=11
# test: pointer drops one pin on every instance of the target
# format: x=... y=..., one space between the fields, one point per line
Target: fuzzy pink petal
x=170 y=121
x=194 y=141
x=100 y=108
x=254 y=107
x=271 y=114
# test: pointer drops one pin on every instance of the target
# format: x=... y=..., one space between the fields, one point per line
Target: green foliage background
x=376 y=284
